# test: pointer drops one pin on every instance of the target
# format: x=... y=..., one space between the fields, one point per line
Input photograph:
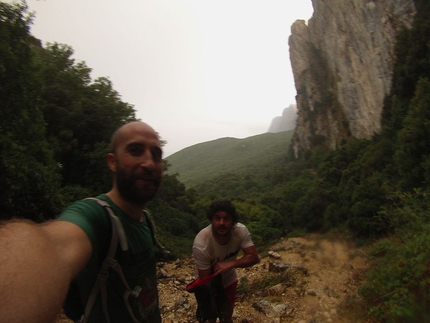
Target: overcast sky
x=195 y=70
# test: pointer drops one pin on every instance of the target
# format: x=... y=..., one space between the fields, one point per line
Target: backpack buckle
x=136 y=291
x=103 y=274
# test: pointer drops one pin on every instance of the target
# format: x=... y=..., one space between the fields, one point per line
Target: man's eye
x=157 y=153
x=135 y=150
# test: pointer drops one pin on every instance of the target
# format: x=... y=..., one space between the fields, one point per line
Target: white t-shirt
x=207 y=252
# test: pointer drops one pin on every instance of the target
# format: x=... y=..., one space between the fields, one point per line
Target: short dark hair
x=113 y=145
x=225 y=206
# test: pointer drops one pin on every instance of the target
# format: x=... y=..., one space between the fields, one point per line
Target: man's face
x=138 y=170
x=222 y=223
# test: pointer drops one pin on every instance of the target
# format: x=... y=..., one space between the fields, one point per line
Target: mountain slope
x=199 y=163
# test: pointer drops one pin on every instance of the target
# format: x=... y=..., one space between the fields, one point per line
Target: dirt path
x=321 y=285
x=328 y=293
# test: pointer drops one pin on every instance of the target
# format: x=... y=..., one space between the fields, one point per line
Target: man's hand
x=223 y=266
x=249 y=259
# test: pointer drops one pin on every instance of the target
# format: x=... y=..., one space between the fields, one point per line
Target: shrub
x=398 y=286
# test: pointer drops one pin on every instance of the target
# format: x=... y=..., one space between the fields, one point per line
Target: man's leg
x=231 y=296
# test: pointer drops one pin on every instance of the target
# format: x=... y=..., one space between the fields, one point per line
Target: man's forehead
x=142 y=142
x=139 y=132
x=141 y=139
x=135 y=132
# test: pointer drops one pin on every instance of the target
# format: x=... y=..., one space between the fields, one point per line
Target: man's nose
x=147 y=159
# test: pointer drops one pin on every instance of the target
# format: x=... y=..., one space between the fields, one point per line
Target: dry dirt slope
x=318 y=286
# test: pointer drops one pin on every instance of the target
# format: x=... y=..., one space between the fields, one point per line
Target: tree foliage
x=29 y=173
x=414 y=150
x=55 y=122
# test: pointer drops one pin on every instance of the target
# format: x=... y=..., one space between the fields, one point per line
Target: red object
x=199 y=282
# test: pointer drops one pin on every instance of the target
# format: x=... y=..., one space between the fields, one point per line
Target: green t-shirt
x=138 y=263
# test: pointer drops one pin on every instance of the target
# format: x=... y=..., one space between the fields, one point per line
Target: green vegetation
x=398 y=285
x=256 y=155
x=56 y=122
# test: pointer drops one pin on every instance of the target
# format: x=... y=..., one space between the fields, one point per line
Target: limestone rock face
x=342 y=63
x=285 y=122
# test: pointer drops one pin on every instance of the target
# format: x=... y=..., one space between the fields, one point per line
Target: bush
x=398 y=286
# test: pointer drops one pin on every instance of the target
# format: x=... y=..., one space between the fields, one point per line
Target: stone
x=280 y=266
x=263 y=306
x=274 y=254
x=271 y=309
x=275 y=290
x=342 y=63
x=163 y=273
x=311 y=293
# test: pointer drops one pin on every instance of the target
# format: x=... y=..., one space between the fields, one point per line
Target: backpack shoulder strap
x=151 y=224
x=157 y=243
x=117 y=237
x=117 y=228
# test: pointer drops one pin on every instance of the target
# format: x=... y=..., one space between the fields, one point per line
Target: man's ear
x=111 y=160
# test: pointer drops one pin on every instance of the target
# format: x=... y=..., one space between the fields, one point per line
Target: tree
x=414 y=150
x=28 y=171
x=81 y=116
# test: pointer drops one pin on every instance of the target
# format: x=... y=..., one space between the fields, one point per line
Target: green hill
x=255 y=155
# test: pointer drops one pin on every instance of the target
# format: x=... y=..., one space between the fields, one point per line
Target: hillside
x=202 y=162
x=315 y=279
x=319 y=284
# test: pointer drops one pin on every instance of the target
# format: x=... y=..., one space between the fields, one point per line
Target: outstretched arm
x=249 y=259
x=37 y=263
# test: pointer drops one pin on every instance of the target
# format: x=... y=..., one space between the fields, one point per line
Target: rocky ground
x=311 y=279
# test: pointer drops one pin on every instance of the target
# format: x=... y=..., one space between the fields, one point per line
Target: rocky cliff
x=285 y=122
x=342 y=62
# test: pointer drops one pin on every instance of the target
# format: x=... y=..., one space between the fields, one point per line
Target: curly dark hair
x=225 y=206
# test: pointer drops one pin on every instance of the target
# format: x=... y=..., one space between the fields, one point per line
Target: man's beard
x=226 y=232
x=128 y=189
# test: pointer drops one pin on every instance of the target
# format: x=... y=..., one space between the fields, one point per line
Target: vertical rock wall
x=343 y=64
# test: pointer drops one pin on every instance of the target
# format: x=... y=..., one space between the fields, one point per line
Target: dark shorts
x=231 y=293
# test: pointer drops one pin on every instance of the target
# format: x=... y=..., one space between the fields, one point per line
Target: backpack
x=73 y=306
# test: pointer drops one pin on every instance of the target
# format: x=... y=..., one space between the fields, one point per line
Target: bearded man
x=39 y=261
x=216 y=248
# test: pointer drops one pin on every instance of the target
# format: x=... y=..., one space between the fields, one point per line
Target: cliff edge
x=342 y=62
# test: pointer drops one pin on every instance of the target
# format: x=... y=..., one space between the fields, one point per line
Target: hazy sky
x=195 y=70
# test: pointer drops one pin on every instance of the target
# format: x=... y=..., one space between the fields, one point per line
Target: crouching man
x=216 y=248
